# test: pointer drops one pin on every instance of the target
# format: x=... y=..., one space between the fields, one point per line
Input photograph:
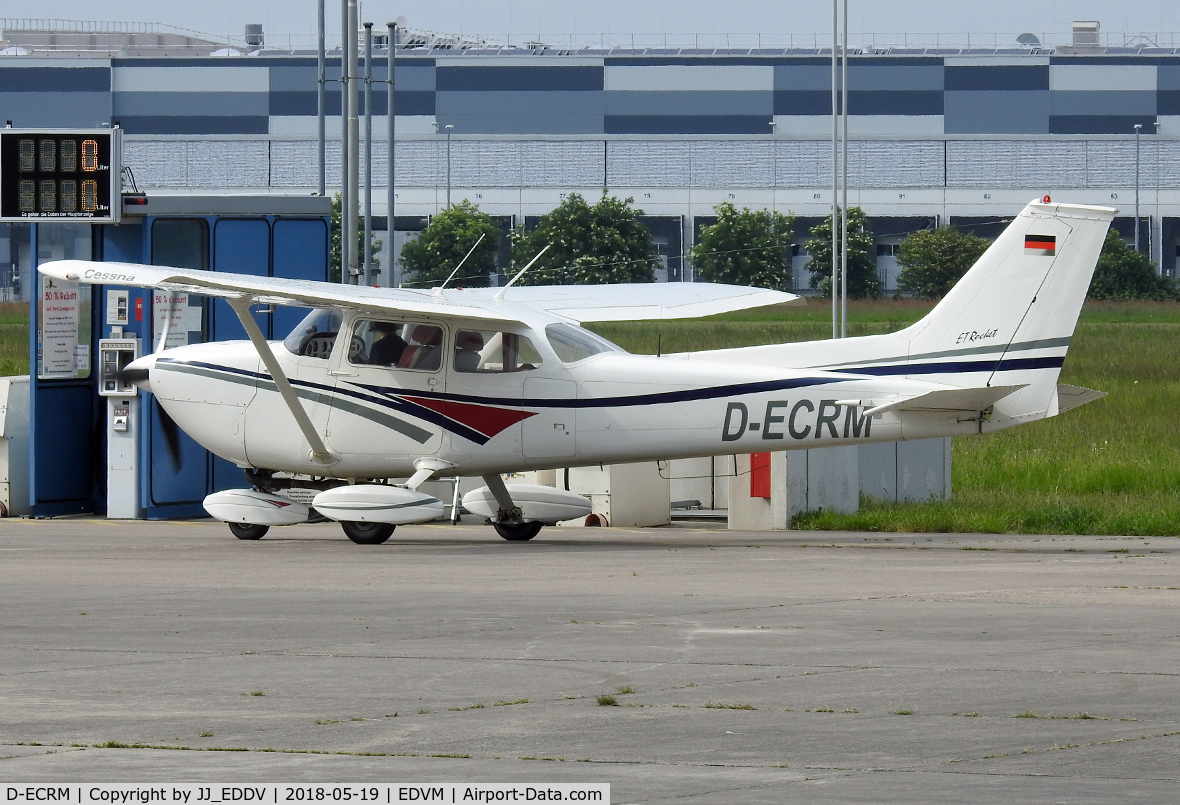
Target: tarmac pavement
x=766 y=667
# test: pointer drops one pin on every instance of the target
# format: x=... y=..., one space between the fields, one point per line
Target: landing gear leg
x=509 y=522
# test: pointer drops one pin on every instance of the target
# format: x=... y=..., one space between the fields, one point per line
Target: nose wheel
x=517 y=532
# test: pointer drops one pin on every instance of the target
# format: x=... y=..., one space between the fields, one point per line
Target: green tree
x=933 y=260
x=589 y=245
x=863 y=281
x=1123 y=273
x=746 y=247
x=442 y=245
x=335 y=229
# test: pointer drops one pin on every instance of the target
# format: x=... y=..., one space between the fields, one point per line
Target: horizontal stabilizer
x=1072 y=396
x=973 y=399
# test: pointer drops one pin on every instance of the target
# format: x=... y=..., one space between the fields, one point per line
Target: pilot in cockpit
x=388 y=349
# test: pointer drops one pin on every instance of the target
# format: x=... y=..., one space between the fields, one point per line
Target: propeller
x=135 y=376
x=171 y=433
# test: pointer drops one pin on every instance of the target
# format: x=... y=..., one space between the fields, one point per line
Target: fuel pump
x=123 y=422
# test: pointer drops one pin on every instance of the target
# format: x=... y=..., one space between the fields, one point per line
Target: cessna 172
x=377 y=385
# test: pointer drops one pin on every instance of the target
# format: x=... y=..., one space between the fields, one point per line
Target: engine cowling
x=376 y=503
x=252 y=507
x=537 y=503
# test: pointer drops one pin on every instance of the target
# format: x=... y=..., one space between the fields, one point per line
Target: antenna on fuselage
x=500 y=294
x=439 y=290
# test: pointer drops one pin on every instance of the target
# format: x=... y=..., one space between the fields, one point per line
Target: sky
x=621 y=18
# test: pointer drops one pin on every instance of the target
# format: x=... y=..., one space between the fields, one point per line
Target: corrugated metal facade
x=934 y=137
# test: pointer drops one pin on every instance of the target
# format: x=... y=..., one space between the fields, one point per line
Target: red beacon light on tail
x=1046 y=200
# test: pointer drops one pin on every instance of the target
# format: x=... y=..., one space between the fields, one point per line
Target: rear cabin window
x=493 y=351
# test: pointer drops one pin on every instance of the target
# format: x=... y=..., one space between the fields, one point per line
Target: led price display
x=59 y=175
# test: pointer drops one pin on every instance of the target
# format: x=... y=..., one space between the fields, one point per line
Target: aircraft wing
x=636 y=301
x=270 y=290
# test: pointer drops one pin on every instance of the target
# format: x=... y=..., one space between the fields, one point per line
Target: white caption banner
x=270 y=794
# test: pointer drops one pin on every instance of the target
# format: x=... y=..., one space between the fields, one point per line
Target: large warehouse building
x=940 y=135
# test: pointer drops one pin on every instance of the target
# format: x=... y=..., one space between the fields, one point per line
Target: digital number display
x=72 y=175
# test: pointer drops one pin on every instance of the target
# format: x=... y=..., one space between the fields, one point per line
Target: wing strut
x=319 y=451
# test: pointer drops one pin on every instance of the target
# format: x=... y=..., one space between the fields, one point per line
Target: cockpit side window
x=315 y=336
x=492 y=351
x=396 y=344
x=573 y=344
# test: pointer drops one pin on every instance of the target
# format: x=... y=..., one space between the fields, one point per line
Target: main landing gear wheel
x=248 y=530
x=367 y=533
x=517 y=532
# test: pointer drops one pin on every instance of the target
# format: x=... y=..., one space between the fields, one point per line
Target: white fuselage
x=611 y=407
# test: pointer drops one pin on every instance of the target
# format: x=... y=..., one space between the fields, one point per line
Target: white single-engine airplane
x=383 y=384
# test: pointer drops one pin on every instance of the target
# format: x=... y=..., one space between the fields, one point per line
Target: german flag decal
x=1040 y=244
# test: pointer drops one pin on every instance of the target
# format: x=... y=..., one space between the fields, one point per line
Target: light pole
x=391 y=191
x=367 y=240
x=448 y=128
x=1138 y=126
x=835 y=175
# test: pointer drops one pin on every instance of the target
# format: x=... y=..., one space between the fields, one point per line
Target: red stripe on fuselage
x=487 y=419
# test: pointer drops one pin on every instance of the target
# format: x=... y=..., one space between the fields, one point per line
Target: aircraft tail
x=1007 y=323
x=1010 y=319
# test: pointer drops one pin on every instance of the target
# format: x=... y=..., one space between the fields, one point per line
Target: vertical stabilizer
x=1014 y=313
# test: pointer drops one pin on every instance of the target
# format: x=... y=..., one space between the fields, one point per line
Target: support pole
x=321 y=92
x=449 y=128
x=319 y=451
x=844 y=181
x=391 y=185
x=367 y=241
x=835 y=174
x=1138 y=127
x=345 y=256
x=354 y=147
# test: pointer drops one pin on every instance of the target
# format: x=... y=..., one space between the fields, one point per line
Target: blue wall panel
x=178 y=124
x=887 y=102
x=55 y=79
x=521 y=112
x=300 y=253
x=1100 y=124
x=55 y=110
x=926 y=78
x=537 y=79
x=240 y=246
x=1008 y=77
x=996 y=112
x=689 y=103
x=687 y=124
x=1110 y=103
x=409 y=102
x=803 y=102
x=220 y=104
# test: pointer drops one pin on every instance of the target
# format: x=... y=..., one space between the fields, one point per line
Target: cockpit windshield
x=573 y=344
x=314 y=336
